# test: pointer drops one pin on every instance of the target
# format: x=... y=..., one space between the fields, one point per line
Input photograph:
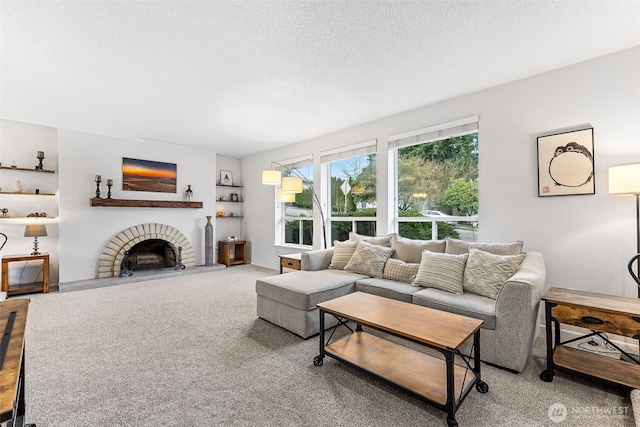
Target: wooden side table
x=600 y=314
x=25 y=288
x=239 y=252
x=291 y=261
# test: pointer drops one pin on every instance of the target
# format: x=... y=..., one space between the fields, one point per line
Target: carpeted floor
x=191 y=352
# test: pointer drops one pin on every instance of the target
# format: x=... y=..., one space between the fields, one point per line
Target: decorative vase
x=17 y=188
x=208 y=243
x=188 y=194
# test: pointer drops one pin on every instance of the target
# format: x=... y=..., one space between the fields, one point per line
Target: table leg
x=450 y=406
x=547 y=374
x=318 y=360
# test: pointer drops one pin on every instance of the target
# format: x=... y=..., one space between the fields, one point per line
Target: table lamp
x=624 y=180
x=35 y=231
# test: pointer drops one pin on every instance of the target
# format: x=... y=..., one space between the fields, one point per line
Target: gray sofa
x=510 y=320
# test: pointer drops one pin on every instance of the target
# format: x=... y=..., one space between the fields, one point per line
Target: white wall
x=85 y=230
x=586 y=240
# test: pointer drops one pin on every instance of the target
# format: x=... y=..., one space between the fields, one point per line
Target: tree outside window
x=441 y=177
x=353 y=195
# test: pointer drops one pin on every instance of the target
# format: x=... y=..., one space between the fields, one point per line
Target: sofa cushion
x=386 y=288
x=470 y=305
x=369 y=259
x=342 y=252
x=455 y=246
x=441 y=271
x=486 y=273
x=400 y=271
x=410 y=250
x=379 y=240
x=305 y=289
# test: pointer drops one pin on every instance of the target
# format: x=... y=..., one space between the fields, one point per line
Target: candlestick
x=40 y=157
x=109 y=184
x=98 y=180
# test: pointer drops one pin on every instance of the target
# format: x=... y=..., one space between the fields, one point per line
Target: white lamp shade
x=624 y=179
x=271 y=177
x=283 y=197
x=35 y=230
x=291 y=184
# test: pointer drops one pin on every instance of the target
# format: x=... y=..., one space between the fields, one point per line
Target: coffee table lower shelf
x=419 y=373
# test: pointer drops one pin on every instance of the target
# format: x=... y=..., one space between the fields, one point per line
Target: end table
x=25 y=288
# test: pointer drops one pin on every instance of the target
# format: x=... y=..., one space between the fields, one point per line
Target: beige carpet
x=191 y=352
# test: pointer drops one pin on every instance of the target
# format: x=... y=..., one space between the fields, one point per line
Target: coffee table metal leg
x=481 y=386
x=318 y=360
x=450 y=406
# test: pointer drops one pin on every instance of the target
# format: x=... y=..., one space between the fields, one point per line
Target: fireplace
x=148 y=246
x=151 y=254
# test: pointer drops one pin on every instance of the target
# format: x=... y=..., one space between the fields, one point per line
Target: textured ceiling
x=241 y=77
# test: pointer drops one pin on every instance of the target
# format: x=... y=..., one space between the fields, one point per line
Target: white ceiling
x=241 y=77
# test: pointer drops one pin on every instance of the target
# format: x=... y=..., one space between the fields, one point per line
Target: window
x=437 y=182
x=298 y=216
x=352 y=190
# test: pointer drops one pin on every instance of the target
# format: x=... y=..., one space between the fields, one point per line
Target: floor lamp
x=291 y=185
x=624 y=180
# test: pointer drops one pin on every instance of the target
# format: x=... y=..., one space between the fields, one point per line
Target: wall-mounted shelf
x=228 y=216
x=27 y=194
x=27 y=170
x=121 y=203
x=229 y=186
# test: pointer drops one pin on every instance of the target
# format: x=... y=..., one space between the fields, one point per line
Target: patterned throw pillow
x=400 y=271
x=441 y=271
x=342 y=252
x=369 y=259
x=486 y=272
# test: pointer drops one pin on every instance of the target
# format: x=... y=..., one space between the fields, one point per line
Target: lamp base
x=35 y=247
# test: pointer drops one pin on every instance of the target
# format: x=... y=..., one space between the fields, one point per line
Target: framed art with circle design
x=566 y=164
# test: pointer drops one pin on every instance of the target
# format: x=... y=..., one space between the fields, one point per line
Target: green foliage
x=462 y=196
x=426 y=171
x=422 y=230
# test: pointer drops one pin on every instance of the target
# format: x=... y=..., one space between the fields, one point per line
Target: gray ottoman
x=289 y=300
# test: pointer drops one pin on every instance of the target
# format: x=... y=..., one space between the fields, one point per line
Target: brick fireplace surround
x=111 y=258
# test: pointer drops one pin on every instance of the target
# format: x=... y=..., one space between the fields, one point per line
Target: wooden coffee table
x=441 y=383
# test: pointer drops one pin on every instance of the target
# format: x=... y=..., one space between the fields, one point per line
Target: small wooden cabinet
x=600 y=314
x=25 y=288
x=291 y=261
x=232 y=253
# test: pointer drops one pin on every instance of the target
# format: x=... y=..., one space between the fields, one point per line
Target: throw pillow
x=369 y=259
x=441 y=271
x=455 y=246
x=380 y=240
x=400 y=271
x=410 y=250
x=486 y=273
x=342 y=252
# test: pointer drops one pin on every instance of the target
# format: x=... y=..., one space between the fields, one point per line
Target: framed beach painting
x=147 y=175
x=566 y=164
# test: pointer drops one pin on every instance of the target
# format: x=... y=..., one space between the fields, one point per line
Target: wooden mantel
x=122 y=203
